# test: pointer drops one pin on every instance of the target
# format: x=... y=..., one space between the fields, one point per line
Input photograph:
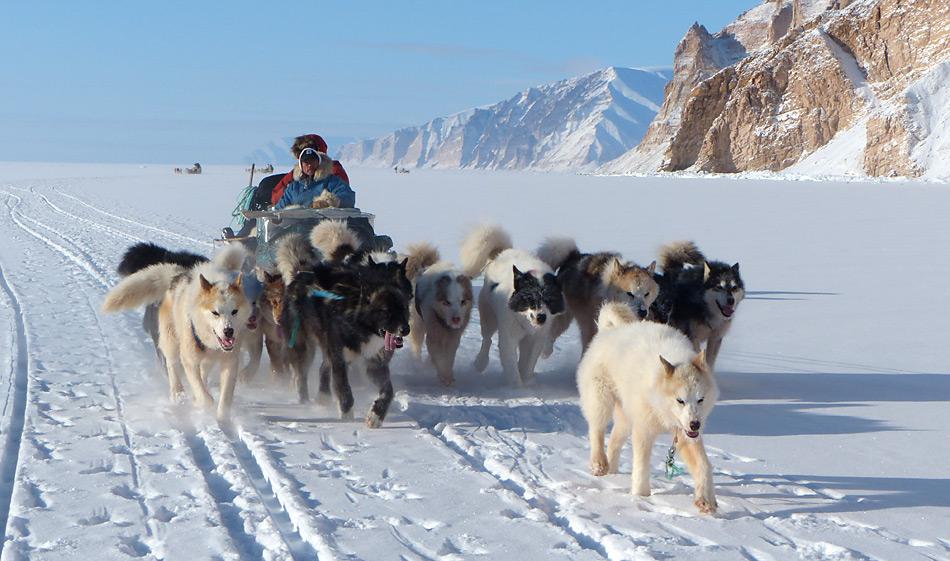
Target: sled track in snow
x=138 y=224
x=19 y=384
x=227 y=476
x=537 y=500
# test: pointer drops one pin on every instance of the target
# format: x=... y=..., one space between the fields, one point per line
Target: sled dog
x=202 y=315
x=443 y=307
x=648 y=378
x=590 y=279
x=145 y=254
x=356 y=310
x=519 y=297
x=697 y=296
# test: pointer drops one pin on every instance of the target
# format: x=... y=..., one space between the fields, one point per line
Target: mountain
x=829 y=87
x=573 y=124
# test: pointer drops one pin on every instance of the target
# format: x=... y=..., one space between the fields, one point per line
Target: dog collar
x=194 y=333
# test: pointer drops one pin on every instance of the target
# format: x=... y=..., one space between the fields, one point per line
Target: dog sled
x=273 y=225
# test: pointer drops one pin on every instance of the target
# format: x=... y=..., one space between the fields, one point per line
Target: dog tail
x=146 y=254
x=421 y=256
x=556 y=251
x=231 y=257
x=674 y=256
x=141 y=288
x=334 y=240
x=481 y=245
x=615 y=314
x=294 y=253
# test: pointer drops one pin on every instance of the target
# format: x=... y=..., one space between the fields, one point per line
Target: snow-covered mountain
x=578 y=123
x=840 y=87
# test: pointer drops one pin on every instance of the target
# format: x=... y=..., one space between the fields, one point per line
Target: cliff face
x=871 y=64
x=699 y=56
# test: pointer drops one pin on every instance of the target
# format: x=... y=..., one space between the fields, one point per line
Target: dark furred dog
x=697 y=296
x=589 y=280
x=356 y=312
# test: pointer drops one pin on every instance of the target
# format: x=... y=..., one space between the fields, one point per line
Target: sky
x=177 y=82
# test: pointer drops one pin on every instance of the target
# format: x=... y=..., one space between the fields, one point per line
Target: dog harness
x=295 y=328
x=194 y=333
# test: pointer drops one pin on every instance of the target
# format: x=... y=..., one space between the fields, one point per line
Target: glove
x=326 y=200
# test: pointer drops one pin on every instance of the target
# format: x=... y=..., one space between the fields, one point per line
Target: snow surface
x=830 y=441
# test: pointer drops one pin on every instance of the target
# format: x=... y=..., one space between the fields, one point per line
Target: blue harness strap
x=295 y=328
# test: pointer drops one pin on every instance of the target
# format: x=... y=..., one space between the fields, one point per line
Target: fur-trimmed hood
x=324 y=171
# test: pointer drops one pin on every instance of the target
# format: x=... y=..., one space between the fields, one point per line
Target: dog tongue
x=392 y=342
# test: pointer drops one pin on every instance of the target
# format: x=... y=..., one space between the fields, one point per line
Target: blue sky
x=110 y=81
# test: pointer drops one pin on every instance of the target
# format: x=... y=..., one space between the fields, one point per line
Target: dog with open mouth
x=202 y=315
x=647 y=378
x=443 y=307
x=697 y=296
x=354 y=305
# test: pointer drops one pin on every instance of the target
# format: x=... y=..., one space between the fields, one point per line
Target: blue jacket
x=302 y=192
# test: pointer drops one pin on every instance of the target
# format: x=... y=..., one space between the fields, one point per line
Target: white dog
x=202 y=317
x=519 y=297
x=646 y=375
x=442 y=308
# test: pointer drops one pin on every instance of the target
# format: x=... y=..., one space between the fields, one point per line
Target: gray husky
x=697 y=296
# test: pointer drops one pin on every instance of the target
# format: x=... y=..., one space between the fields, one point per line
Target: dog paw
x=346 y=415
x=481 y=363
x=373 y=421
x=447 y=380
x=598 y=467
x=706 y=506
x=324 y=398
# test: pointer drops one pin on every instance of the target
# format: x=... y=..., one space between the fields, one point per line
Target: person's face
x=308 y=166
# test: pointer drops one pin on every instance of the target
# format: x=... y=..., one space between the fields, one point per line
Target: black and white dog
x=519 y=298
x=697 y=296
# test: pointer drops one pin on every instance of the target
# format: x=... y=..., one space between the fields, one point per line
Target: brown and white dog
x=202 y=315
x=442 y=308
x=588 y=280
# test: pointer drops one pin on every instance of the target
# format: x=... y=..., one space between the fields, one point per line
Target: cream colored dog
x=648 y=378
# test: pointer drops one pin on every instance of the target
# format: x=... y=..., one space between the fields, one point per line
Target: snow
x=830 y=441
x=568 y=124
x=928 y=109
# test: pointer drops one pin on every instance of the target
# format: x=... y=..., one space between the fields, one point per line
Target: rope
x=244 y=202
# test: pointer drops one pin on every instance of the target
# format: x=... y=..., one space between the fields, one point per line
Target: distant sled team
x=643 y=328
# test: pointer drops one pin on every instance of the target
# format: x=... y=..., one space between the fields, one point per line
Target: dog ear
x=238 y=282
x=271 y=278
x=403 y=263
x=518 y=275
x=651 y=268
x=706 y=271
x=699 y=361
x=667 y=366
x=736 y=268
x=205 y=285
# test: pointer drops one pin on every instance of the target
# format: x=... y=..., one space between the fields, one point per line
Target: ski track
x=227 y=473
x=16 y=397
x=162 y=231
x=267 y=518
